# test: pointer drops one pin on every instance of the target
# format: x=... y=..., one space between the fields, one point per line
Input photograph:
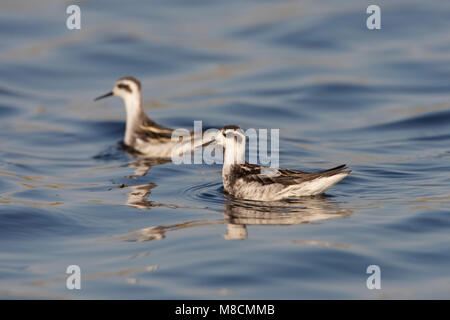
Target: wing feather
x=253 y=173
x=152 y=132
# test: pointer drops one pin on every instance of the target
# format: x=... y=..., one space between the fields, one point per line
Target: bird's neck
x=234 y=154
x=135 y=115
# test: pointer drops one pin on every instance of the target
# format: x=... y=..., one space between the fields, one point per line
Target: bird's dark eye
x=124 y=87
x=223 y=133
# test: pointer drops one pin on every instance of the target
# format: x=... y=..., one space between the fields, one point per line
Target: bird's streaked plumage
x=255 y=182
x=141 y=133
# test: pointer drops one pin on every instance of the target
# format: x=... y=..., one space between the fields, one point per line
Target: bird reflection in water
x=138 y=195
x=237 y=215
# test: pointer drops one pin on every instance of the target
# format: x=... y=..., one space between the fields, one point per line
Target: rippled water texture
x=378 y=101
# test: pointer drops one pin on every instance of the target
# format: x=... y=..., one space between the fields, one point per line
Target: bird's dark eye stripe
x=231 y=126
x=125 y=87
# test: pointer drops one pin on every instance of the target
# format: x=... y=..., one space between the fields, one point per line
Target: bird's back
x=256 y=182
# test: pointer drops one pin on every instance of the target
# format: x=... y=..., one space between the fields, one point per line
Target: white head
x=232 y=138
x=129 y=89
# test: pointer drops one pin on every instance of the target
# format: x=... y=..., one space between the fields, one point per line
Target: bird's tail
x=336 y=170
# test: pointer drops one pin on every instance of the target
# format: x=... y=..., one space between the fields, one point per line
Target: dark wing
x=150 y=131
x=265 y=175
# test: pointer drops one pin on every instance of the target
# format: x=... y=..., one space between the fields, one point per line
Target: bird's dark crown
x=132 y=79
x=230 y=127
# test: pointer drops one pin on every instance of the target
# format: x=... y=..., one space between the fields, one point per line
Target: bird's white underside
x=277 y=191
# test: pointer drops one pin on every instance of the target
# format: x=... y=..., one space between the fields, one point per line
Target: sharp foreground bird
x=255 y=182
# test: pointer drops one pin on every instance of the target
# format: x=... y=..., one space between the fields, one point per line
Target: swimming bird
x=255 y=182
x=142 y=133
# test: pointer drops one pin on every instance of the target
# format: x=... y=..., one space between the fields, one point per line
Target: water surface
x=378 y=101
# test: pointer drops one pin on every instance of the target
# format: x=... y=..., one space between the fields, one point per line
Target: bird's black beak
x=104 y=96
x=206 y=143
x=209 y=142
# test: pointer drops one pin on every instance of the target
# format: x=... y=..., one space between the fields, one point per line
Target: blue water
x=378 y=101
